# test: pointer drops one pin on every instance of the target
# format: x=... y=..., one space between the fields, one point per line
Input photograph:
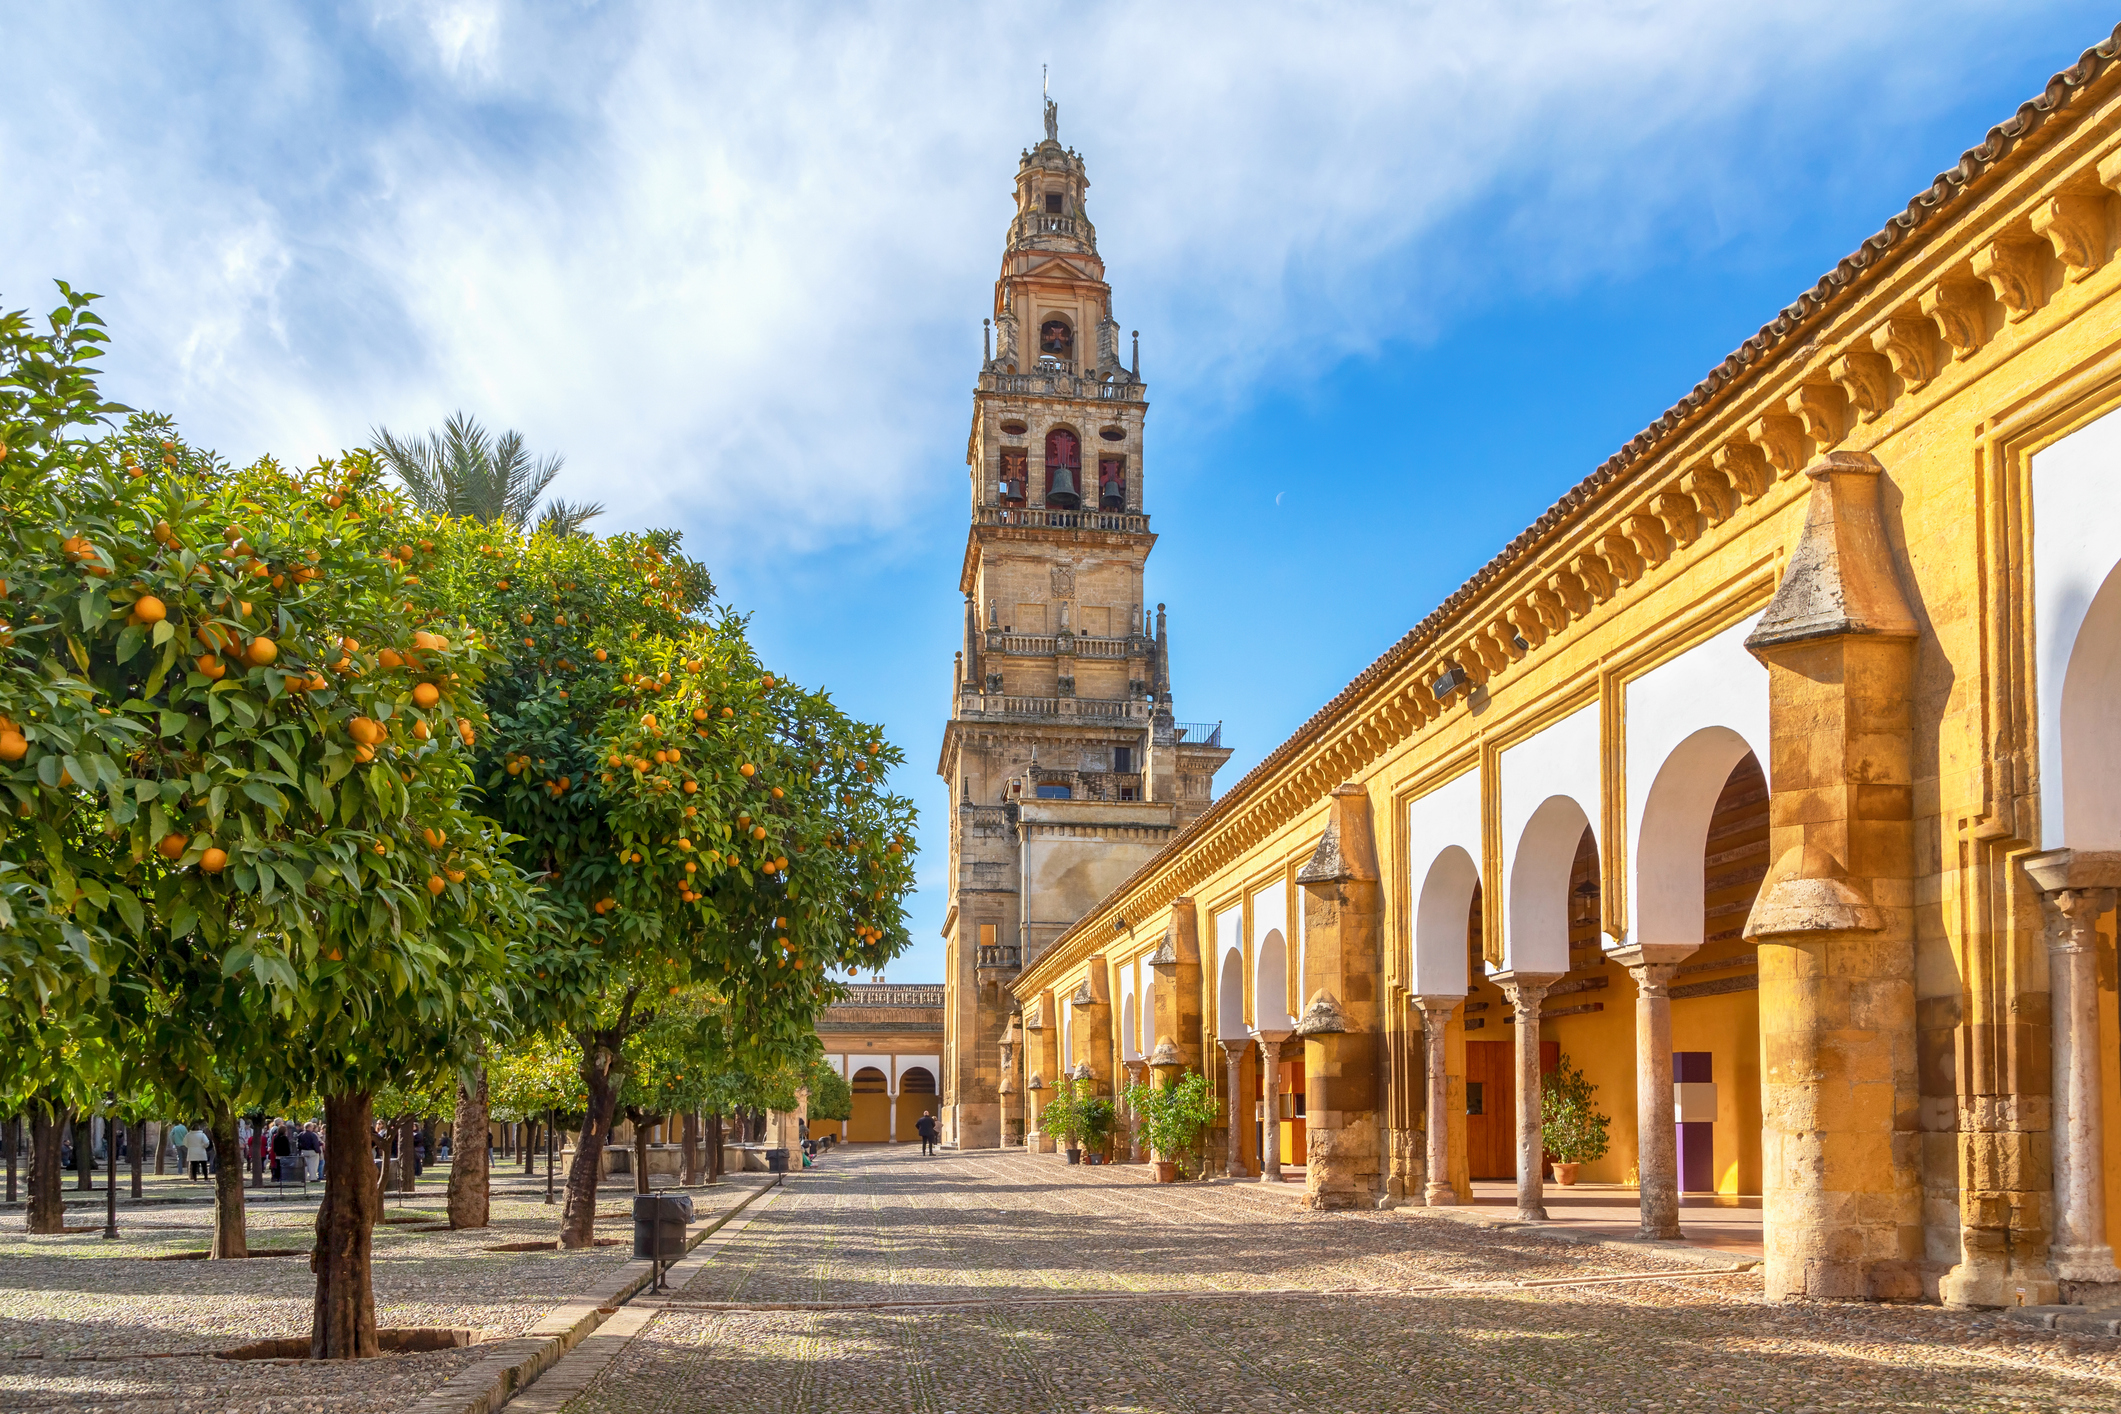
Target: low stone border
x=516 y=1364
x=580 y=1369
x=2076 y=1320
x=1676 y=1251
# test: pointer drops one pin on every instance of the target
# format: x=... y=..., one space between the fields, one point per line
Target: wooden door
x=1491 y=1110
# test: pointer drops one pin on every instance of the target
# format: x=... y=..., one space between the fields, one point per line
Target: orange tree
x=236 y=755
x=694 y=819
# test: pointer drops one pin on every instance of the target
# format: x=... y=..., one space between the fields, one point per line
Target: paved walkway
x=883 y=1281
x=1729 y=1225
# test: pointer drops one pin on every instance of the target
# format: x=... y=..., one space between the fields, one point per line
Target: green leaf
x=265 y=795
x=131 y=641
x=164 y=632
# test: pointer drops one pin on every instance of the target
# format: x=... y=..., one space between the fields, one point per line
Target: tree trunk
x=161 y=1129
x=641 y=1124
x=470 y=1188
x=230 y=1239
x=530 y=1146
x=136 y=1143
x=84 y=1134
x=578 y=1214
x=714 y=1147
x=689 y=1136
x=47 y=1199
x=408 y=1159
x=254 y=1153
x=11 y=1136
x=343 y=1325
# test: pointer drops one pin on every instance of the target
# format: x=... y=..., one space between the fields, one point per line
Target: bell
x=1061 y=491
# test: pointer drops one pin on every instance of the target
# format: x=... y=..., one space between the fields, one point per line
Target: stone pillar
x=1436 y=1013
x=1006 y=1089
x=1840 y=1085
x=1656 y=1135
x=1343 y=1015
x=1526 y=992
x=1176 y=1013
x=1234 y=1056
x=1135 y=1071
x=1270 y=1102
x=2075 y=891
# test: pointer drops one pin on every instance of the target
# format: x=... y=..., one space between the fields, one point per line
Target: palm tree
x=464 y=471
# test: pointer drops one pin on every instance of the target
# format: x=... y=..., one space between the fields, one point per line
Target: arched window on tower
x=1064 y=470
x=1112 y=483
x=1016 y=475
x=1056 y=340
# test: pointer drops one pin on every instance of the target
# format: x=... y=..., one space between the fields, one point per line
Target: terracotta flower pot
x=1565 y=1174
x=1166 y=1172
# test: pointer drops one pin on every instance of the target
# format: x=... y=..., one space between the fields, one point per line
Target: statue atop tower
x=1067 y=769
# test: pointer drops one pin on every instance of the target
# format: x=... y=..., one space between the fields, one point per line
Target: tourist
x=196 y=1151
x=177 y=1132
x=311 y=1147
x=925 y=1127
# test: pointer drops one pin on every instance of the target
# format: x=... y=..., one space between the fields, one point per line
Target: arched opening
x=1111 y=483
x=870 y=1120
x=1440 y=962
x=1064 y=470
x=1669 y=884
x=1016 y=475
x=2090 y=719
x=1130 y=1049
x=1230 y=999
x=1270 y=984
x=1056 y=340
x=1542 y=899
x=916 y=1097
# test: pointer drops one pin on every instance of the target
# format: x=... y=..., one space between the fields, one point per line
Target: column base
x=1531 y=1215
x=1439 y=1195
x=1656 y=1232
x=2093 y=1264
x=1992 y=1285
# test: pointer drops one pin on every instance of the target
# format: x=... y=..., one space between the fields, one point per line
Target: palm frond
x=463 y=470
x=564 y=518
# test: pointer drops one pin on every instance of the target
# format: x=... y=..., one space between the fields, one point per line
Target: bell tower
x=1066 y=768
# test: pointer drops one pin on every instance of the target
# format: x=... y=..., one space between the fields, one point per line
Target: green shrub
x=1569 y=1127
x=1174 y=1118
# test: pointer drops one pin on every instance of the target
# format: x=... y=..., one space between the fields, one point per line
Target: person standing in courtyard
x=195 y=1152
x=925 y=1127
x=312 y=1149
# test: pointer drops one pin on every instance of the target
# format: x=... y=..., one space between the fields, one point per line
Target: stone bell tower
x=1065 y=767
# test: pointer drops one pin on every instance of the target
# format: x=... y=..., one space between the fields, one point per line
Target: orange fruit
x=13 y=746
x=758 y=832
x=435 y=838
x=214 y=861
x=262 y=651
x=172 y=846
x=150 y=610
x=729 y=711
x=747 y=770
x=602 y=655
x=436 y=883
x=366 y=730
x=350 y=645
x=389 y=658
x=776 y=792
x=426 y=695
x=419 y=731
x=364 y=753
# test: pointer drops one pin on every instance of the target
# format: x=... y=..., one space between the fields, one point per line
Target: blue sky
x=1403 y=273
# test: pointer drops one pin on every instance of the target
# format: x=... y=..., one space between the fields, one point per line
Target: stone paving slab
x=85 y=1324
x=1032 y=1254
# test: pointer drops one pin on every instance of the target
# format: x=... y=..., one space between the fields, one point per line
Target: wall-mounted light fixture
x=1452 y=680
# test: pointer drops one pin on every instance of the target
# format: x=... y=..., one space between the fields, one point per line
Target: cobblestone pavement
x=1095 y=1290
x=89 y=1324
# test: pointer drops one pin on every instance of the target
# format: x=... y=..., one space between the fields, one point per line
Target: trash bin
x=659 y=1222
x=777 y=1161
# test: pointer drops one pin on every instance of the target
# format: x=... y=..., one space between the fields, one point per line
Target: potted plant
x=1062 y=1117
x=1570 y=1128
x=1173 y=1118
x=1098 y=1117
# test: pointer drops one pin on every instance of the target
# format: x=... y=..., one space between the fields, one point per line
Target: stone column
x=1526 y=992
x=1006 y=1090
x=1270 y=1100
x=1343 y=1018
x=1436 y=1013
x=1234 y=1052
x=2074 y=895
x=1841 y=1140
x=1656 y=1136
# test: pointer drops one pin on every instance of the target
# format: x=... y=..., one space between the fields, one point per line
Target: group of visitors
x=296 y=1150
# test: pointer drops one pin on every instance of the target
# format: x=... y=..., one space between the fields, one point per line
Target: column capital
x=1526 y=990
x=2054 y=870
x=1652 y=965
x=1234 y=1048
x=1438 y=1004
x=2073 y=916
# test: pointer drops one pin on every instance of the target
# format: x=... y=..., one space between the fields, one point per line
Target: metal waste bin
x=659 y=1223
x=777 y=1161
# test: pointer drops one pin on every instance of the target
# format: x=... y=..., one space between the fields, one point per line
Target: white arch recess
x=1129 y=1048
x=1550 y=782
x=1230 y=999
x=2077 y=636
x=1443 y=850
x=1270 y=959
x=1689 y=723
x=1229 y=935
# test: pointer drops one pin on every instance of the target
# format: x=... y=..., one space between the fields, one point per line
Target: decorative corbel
x=1621 y=557
x=1649 y=537
x=1547 y=604
x=1959 y=309
x=1711 y=490
x=1744 y=467
x=1597 y=580
x=2075 y=225
x=1681 y=517
x=1867 y=379
x=1824 y=410
x=1527 y=620
x=1909 y=344
x=2012 y=269
x=1781 y=440
x=1504 y=635
x=1569 y=590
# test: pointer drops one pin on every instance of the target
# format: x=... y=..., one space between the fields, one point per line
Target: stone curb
x=594 y=1356
x=514 y=1364
x=2076 y=1320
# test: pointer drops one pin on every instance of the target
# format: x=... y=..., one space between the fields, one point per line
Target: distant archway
x=1270 y=984
x=870 y=1121
x=916 y=1097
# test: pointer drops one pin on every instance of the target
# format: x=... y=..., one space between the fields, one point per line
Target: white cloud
x=731 y=260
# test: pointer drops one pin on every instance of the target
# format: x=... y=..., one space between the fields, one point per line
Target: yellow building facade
x=1772 y=779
